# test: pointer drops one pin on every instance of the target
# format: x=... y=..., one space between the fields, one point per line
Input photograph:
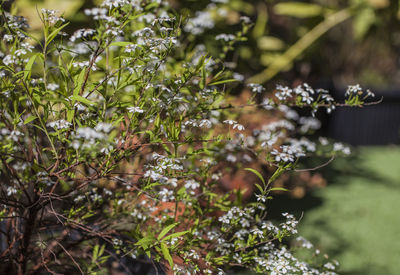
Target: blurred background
x=349 y=208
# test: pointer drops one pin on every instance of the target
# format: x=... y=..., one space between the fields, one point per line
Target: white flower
x=304 y=243
x=155 y=176
x=287 y=155
x=238 y=76
x=198 y=24
x=238 y=126
x=309 y=123
x=205 y=123
x=225 y=37
x=166 y=195
x=8 y=37
x=9 y=59
x=283 y=93
x=353 y=89
x=59 y=124
x=229 y=121
x=11 y=190
x=50 y=16
x=88 y=134
x=305 y=97
x=81 y=33
x=135 y=110
x=192 y=184
x=131 y=48
x=231 y=158
x=261 y=198
x=173 y=182
x=256 y=88
x=257 y=232
x=104 y=127
x=145 y=32
x=53 y=86
x=369 y=93
x=338 y=146
x=79 y=198
x=289 y=113
x=114 y=3
x=329 y=266
x=245 y=19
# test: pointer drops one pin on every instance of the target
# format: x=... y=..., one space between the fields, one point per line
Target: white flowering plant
x=113 y=141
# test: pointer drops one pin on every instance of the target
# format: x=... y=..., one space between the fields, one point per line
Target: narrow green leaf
x=146 y=242
x=54 y=34
x=166 y=254
x=151 y=6
x=95 y=253
x=223 y=81
x=259 y=188
x=29 y=119
x=175 y=235
x=276 y=174
x=200 y=63
x=79 y=81
x=121 y=43
x=203 y=78
x=82 y=99
x=28 y=67
x=70 y=115
x=278 y=189
x=133 y=17
x=258 y=174
x=166 y=230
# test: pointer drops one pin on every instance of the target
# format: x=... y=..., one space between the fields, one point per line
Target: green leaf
x=54 y=34
x=200 y=63
x=28 y=67
x=82 y=99
x=298 y=9
x=203 y=78
x=259 y=188
x=29 y=119
x=276 y=174
x=175 y=235
x=166 y=230
x=151 y=6
x=166 y=254
x=121 y=43
x=278 y=189
x=258 y=174
x=223 y=81
x=70 y=115
x=79 y=81
x=95 y=251
x=146 y=242
x=133 y=17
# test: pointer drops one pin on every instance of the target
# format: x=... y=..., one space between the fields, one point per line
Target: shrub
x=113 y=141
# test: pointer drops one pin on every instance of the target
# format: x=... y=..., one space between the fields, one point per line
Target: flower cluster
x=119 y=141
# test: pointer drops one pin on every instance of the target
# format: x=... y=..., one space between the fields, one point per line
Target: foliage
x=301 y=38
x=114 y=139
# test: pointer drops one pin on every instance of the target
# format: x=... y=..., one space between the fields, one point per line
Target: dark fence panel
x=371 y=125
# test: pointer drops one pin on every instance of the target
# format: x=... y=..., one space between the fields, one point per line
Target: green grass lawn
x=357 y=217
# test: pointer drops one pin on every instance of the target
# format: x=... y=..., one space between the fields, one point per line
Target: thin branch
x=317 y=167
